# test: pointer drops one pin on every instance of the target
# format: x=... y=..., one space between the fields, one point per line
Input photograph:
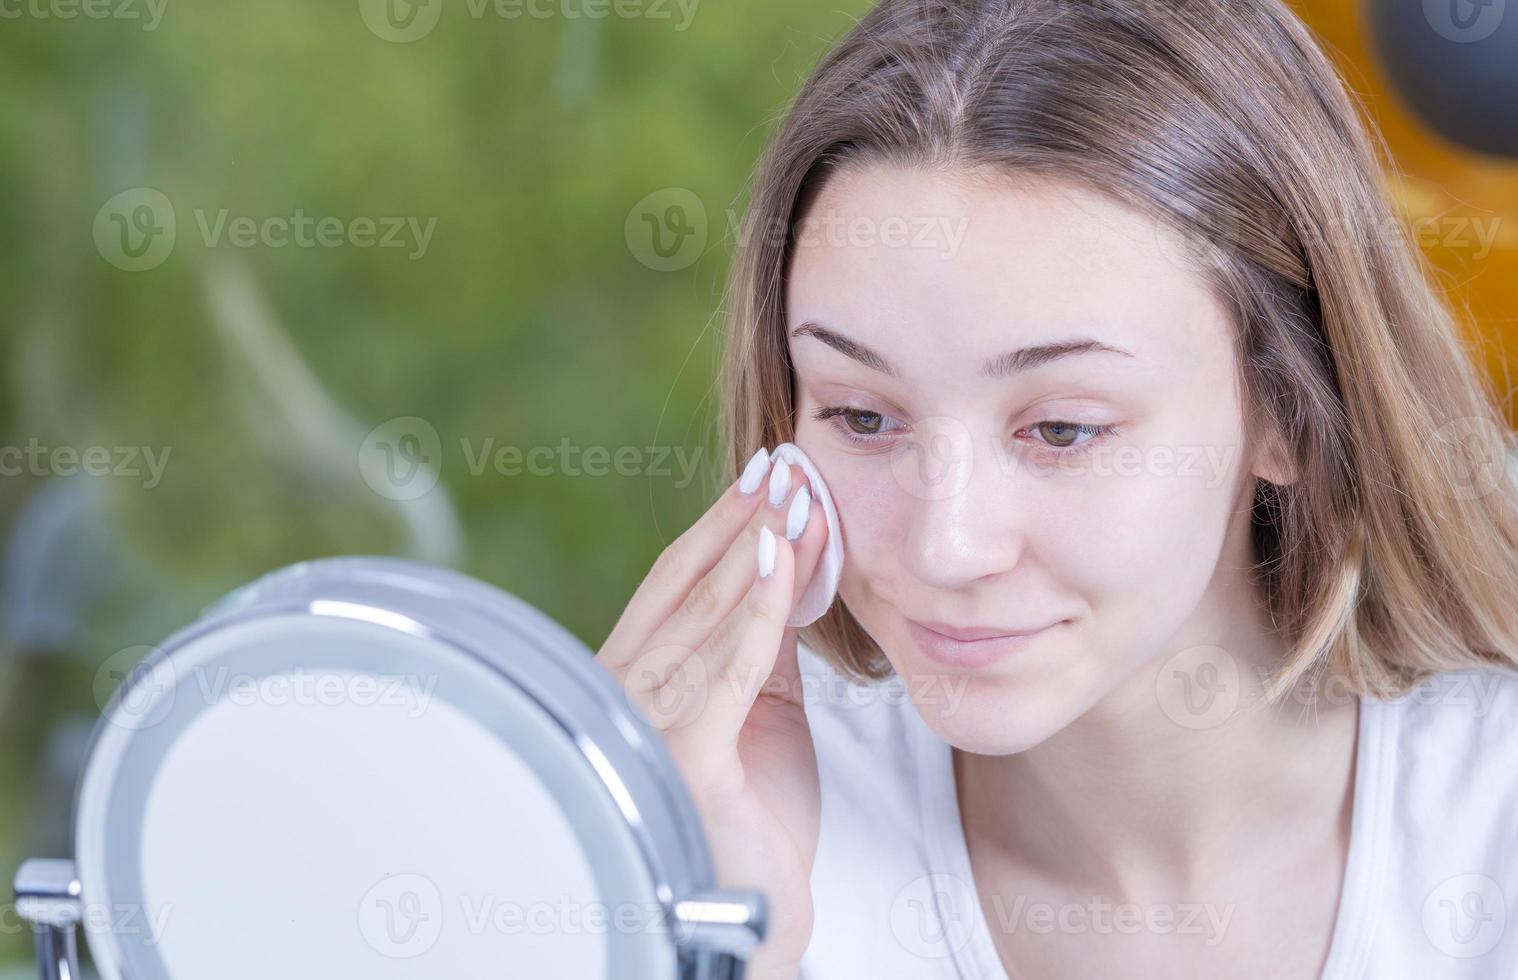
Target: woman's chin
x=985 y=713
x=991 y=738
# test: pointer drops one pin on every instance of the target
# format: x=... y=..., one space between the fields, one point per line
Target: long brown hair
x=1394 y=551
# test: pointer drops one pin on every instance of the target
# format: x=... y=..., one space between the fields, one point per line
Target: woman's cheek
x=869 y=516
x=1158 y=530
x=867 y=508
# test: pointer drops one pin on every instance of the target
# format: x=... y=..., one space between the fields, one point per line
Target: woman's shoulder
x=1437 y=817
x=872 y=753
x=879 y=769
x=848 y=717
x=1451 y=744
x=1469 y=715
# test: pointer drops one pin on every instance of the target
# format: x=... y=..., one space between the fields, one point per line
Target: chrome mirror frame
x=713 y=930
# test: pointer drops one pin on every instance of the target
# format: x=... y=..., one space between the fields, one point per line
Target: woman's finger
x=808 y=545
x=683 y=562
x=659 y=665
x=716 y=593
x=728 y=670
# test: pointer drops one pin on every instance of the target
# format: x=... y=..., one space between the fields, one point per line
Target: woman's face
x=1026 y=406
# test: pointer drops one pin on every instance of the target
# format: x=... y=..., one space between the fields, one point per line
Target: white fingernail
x=780 y=483
x=796 y=517
x=766 y=552
x=753 y=473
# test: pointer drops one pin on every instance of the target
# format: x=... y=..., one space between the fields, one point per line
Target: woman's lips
x=969 y=647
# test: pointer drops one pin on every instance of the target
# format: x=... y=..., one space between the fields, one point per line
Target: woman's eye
x=864 y=423
x=865 y=427
x=857 y=423
x=1063 y=435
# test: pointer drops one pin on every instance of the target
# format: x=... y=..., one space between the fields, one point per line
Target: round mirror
x=369 y=767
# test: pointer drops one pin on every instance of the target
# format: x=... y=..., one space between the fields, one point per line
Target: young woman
x=1177 y=611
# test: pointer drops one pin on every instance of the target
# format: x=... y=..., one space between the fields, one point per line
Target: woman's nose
x=960 y=528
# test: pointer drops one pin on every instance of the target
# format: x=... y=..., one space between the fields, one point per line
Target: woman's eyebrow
x=1000 y=366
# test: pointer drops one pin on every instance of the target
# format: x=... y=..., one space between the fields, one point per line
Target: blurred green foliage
x=529 y=319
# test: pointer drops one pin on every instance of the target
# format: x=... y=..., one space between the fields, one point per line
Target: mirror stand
x=47 y=896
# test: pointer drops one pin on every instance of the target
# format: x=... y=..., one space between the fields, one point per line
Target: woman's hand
x=702 y=648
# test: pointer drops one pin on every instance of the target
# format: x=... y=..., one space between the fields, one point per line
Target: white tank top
x=1430 y=887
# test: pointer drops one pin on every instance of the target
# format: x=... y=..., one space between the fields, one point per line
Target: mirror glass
x=341 y=790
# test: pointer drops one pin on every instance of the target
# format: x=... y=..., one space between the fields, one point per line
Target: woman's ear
x=1273 y=462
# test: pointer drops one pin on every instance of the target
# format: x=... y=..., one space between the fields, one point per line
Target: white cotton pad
x=823 y=588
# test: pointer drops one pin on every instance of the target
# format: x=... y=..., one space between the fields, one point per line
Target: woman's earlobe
x=1273 y=464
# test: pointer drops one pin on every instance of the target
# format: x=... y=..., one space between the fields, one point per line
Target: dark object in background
x=1455 y=62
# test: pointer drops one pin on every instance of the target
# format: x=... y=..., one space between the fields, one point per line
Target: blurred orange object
x=1463 y=206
